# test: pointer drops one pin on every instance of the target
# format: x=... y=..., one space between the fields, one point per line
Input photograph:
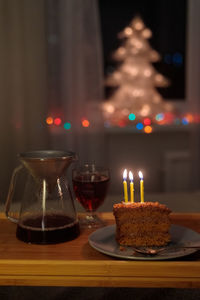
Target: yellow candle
x=141 y=187
x=125 y=186
x=131 y=186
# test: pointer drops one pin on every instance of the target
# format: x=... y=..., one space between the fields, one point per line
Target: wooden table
x=75 y=263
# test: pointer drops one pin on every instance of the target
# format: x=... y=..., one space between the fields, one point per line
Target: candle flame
x=125 y=174
x=140 y=175
x=130 y=176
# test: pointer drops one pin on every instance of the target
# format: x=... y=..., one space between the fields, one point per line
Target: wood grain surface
x=75 y=263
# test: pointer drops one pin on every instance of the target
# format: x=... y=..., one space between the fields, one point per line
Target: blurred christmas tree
x=136 y=96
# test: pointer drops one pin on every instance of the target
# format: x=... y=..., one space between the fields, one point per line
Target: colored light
x=49 y=120
x=57 y=121
x=139 y=126
x=147 y=121
x=177 y=59
x=169 y=117
x=67 y=126
x=121 y=124
x=132 y=117
x=184 y=121
x=159 y=117
x=189 y=117
x=197 y=118
x=85 y=123
x=148 y=129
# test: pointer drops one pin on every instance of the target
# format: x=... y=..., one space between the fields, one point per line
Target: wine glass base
x=91 y=221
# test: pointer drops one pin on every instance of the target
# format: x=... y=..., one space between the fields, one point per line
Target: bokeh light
x=57 y=121
x=85 y=123
x=160 y=117
x=121 y=123
x=139 y=126
x=147 y=121
x=131 y=117
x=177 y=59
x=67 y=125
x=148 y=129
x=189 y=117
x=49 y=120
x=185 y=121
x=196 y=118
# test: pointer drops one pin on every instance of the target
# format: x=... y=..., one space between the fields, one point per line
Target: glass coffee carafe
x=40 y=198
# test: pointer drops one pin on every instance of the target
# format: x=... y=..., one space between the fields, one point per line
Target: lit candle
x=141 y=186
x=125 y=186
x=131 y=186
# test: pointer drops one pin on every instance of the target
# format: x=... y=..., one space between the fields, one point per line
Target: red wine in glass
x=90 y=194
x=90 y=187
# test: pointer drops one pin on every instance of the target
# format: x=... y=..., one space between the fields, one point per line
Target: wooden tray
x=75 y=263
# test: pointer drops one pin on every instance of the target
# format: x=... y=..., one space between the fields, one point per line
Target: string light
x=184 y=121
x=121 y=123
x=148 y=129
x=139 y=126
x=160 y=117
x=196 y=118
x=177 y=59
x=136 y=80
x=57 y=121
x=132 y=117
x=147 y=121
x=49 y=120
x=128 y=31
x=67 y=126
x=146 y=33
x=189 y=117
x=85 y=123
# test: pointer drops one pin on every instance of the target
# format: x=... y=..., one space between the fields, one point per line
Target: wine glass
x=90 y=185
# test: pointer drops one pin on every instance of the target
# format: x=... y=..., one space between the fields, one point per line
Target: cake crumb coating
x=142 y=224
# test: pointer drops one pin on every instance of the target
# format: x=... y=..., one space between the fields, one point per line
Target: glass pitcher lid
x=47 y=154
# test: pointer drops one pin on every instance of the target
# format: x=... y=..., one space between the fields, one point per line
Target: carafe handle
x=10 y=195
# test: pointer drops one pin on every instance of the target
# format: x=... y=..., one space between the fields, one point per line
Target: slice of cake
x=142 y=224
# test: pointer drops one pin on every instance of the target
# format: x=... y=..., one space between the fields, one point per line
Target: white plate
x=103 y=240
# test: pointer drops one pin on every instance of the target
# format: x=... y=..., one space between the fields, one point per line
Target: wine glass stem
x=91 y=220
x=90 y=216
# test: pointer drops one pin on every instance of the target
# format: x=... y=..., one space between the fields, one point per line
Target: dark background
x=167 y=20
